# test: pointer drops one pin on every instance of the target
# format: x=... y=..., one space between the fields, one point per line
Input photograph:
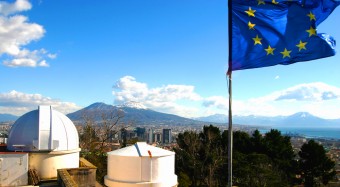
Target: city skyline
x=169 y=56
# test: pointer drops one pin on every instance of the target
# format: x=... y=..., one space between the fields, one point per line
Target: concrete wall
x=13 y=169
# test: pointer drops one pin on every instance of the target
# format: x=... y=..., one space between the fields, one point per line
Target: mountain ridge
x=138 y=115
x=299 y=119
x=135 y=112
x=8 y=117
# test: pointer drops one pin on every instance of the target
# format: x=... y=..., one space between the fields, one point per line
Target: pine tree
x=316 y=167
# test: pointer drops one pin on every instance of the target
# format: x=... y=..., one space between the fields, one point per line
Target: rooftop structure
x=141 y=165
x=44 y=129
x=50 y=141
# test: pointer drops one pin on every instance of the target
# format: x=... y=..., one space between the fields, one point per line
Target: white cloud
x=16 y=32
x=216 y=101
x=310 y=92
x=277 y=77
x=52 y=56
x=8 y=8
x=165 y=98
x=318 y=99
x=20 y=62
x=43 y=63
x=18 y=103
x=27 y=58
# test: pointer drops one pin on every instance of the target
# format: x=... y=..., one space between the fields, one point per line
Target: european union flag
x=271 y=32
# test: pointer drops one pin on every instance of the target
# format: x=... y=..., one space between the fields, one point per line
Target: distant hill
x=8 y=117
x=300 y=119
x=304 y=119
x=136 y=113
x=133 y=113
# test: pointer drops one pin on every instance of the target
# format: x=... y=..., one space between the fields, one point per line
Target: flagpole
x=230 y=138
x=230 y=121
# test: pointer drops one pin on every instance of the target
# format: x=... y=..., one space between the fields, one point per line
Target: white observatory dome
x=43 y=130
x=50 y=138
x=141 y=165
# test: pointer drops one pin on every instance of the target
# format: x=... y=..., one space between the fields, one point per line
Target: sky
x=170 y=56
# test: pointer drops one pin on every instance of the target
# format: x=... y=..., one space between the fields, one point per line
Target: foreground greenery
x=269 y=160
x=96 y=136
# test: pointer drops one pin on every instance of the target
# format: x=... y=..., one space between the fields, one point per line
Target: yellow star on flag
x=251 y=25
x=274 y=2
x=311 y=31
x=250 y=12
x=285 y=53
x=257 y=40
x=301 y=45
x=270 y=50
x=260 y=2
x=311 y=16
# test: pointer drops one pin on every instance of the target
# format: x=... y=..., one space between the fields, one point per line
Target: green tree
x=211 y=155
x=255 y=170
x=280 y=150
x=98 y=130
x=257 y=142
x=184 y=180
x=316 y=167
x=187 y=158
x=252 y=166
x=201 y=159
x=262 y=160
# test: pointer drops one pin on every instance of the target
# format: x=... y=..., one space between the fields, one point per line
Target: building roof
x=141 y=149
x=44 y=129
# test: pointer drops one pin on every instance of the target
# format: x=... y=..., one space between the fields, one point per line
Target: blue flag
x=271 y=32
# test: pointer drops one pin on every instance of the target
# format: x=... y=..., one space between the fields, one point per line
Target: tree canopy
x=315 y=166
x=258 y=160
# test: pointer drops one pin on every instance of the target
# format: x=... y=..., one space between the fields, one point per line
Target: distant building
x=167 y=137
x=3 y=138
x=127 y=134
x=158 y=137
x=140 y=133
x=150 y=136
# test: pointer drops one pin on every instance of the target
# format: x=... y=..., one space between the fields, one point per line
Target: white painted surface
x=141 y=149
x=133 y=166
x=47 y=164
x=13 y=169
x=124 y=168
x=50 y=138
x=171 y=182
x=43 y=130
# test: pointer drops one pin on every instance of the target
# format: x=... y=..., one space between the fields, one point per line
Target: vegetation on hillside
x=269 y=160
x=201 y=158
x=95 y=138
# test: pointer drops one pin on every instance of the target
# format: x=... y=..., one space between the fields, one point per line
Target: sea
x=315 y=133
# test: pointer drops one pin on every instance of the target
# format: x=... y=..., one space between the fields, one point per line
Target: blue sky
x=170 y=56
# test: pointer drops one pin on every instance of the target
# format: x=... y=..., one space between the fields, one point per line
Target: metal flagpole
x=230 y=139
x=230 y=121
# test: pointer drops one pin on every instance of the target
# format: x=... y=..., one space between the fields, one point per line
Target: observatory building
x=42 y=140
x=44 y=143
x=141 y=165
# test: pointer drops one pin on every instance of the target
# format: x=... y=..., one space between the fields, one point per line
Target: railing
x=83 y=176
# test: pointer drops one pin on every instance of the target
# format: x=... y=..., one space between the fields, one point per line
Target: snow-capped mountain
x=300 y=119
x=133 y=113
x=133 y=104
x=138 y=114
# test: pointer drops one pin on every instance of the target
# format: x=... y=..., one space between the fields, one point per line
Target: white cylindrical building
x=50 y=138
x=141 y=165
